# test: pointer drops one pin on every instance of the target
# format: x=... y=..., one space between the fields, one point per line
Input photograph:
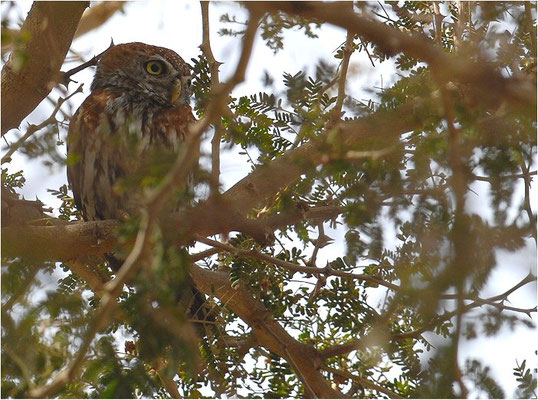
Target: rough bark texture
x=228 y=213
x=32 y=70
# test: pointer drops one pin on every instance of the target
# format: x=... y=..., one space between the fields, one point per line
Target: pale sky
x=177 y=25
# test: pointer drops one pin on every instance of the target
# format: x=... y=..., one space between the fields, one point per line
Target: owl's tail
x=198 y=310
x=201 y=314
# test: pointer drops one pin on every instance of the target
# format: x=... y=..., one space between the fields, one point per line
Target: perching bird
x=134 y=120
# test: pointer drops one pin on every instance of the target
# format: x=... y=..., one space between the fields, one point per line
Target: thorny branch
x=214 y=70
x=495 y=301
x=66 y=76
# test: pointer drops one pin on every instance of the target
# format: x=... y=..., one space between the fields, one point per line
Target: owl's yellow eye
x=155 y=67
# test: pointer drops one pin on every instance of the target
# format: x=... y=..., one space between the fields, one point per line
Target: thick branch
x=228 y=213
x=59 y=242
x=490 y=87
x=33 y=70
x=92 y=19
x=304 y=358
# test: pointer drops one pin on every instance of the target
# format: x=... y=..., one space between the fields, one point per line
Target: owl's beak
x=176 y=91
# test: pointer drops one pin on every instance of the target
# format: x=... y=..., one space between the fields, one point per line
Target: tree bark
x=229 y=212
x=304 y=359
x=33 y=69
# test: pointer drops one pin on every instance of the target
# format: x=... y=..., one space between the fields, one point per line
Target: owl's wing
x=99 y=156
x=85 y=149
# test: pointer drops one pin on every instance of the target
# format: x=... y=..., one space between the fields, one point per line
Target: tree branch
x=91 y=19
x=268 y=332
x=26 y=82
x=328 y=271
x=363 y=382
x=490 y=87
x=227 y=213
x=364 y=341
x=215 y=81
x=35 y=128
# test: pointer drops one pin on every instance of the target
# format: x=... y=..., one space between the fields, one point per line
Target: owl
x=134 y=120
x=136 y=115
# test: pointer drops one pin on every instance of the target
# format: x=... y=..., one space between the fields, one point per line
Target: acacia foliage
x=431 y=271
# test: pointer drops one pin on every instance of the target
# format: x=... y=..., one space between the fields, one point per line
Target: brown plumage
x=130 y=127
x=129 y=115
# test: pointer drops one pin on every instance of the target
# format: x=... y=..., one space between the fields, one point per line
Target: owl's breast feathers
x=99 y=153
x=104 y=109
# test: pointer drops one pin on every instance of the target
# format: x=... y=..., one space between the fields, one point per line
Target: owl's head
x=145 y=73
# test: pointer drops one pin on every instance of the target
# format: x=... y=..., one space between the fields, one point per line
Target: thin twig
x=328 y=270
x=527 y=180
x=494 y=299
x=206 y=45
x=347 y=51
x=108 y=302
x=365 y=47
x=346 y=348
x=511 y=176
x=363 y=382
x=34 y=128
x=321 y=241
x=215 y=81
x=66 y=76
x=528 y=279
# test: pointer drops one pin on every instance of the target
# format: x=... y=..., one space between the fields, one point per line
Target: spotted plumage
x=130 y=127
x=129 y=103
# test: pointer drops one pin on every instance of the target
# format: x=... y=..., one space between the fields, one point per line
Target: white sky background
x=177 y=25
